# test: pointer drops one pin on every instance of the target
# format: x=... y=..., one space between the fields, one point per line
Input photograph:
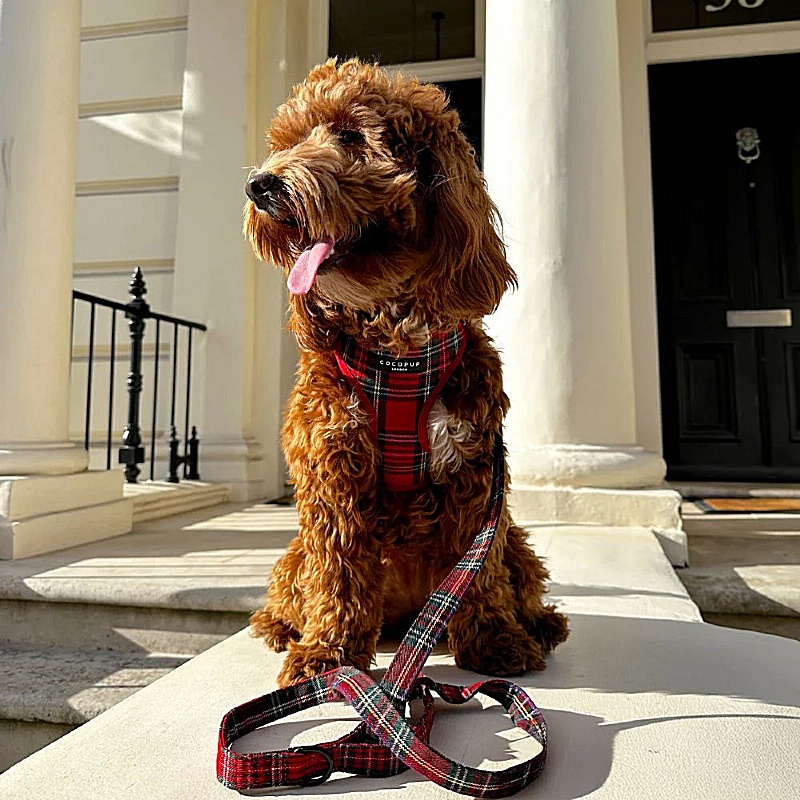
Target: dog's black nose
x=260 y=187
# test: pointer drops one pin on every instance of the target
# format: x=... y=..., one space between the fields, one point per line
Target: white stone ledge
x=637 y=508
x=643 y=700
x=655 y=509
x=35 y=535
x=22 y=497
x=43 y=513
x=184 y=592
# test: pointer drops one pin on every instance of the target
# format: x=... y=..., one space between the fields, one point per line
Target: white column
x=39 y=78
x=48 y=500
x=213 y=280
x=240 y=63
x=554 y=163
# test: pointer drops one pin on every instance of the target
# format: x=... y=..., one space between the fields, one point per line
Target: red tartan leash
x=387 y=742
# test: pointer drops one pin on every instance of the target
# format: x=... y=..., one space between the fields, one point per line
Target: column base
x=597 y=466
x=39 y=514
x=42 y=458
x=240 y=464
x=656 y=509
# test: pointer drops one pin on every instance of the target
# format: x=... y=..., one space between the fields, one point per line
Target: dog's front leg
x=486 y=634
x=342 y=580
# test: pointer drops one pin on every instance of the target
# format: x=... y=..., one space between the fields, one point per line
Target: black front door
x=726 y=184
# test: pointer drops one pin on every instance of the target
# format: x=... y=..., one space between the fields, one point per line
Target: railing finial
x=138 y=289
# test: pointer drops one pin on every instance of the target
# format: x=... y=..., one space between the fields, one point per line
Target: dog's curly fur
x=378 y=164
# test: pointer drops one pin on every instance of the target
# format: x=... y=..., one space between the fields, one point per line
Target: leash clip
x=319 y=779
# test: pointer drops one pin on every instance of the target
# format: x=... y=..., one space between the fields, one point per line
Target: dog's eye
x=347 y=136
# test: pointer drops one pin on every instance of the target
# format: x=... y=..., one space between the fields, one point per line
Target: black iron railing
x=132 y=451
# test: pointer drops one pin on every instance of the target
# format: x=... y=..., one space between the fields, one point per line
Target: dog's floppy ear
x=468 y=267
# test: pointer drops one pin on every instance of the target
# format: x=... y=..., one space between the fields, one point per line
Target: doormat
x=744 y=505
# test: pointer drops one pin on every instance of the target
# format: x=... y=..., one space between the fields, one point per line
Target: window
x=442 y=39
x=402 y=31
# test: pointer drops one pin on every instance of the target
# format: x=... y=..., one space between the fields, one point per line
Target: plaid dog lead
x=387 y=742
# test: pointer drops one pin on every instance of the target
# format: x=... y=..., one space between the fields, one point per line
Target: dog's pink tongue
x=304 y=271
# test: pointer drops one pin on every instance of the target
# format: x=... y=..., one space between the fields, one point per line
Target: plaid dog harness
x=398 y=394
x=387 y=742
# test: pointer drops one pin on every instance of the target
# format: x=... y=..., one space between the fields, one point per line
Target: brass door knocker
x=748 y=142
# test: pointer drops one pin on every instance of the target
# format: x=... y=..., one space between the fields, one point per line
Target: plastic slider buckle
x=318 y=779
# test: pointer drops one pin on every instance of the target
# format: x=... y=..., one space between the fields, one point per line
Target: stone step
x=701 y=489
x=47 y=691
x=93 y=622
x=788 y=627
x=154 y=500
x=132 y=594
x=117 y=628
x=768 y=590
x=745 y=570
x=632 y=701
x=744 y=525
x=174 y=585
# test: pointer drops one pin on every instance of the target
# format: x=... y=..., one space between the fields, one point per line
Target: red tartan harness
x=398 y=394
x=388 y=741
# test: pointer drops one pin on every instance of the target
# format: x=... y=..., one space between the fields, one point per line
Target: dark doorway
x=726 y=183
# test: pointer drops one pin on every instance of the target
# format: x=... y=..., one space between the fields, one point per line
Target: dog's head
x=372 y=203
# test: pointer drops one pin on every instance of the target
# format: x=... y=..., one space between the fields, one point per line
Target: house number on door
x=743 y=3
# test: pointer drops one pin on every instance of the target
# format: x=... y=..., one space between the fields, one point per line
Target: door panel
x=727 y=238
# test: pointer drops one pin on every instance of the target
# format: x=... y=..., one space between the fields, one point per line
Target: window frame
x=725 y=41
x=452 y=69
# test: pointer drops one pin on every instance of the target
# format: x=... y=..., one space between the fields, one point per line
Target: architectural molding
x=319 y=20
x=453 y=69
x=166 y=183
x=734 y=41
x=639 y=215
x=42 y=458
x=136 y=105
x=149 y=266
x=138 y=28
x=102 y=352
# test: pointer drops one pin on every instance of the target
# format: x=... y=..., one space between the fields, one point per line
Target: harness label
x=400 y=365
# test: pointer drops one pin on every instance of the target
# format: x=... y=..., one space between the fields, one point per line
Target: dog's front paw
x=275 y=633
x=500 y=651
x=308 y=660
x=549 y=628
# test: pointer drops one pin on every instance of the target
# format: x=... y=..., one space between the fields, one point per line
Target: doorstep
x=692 y=490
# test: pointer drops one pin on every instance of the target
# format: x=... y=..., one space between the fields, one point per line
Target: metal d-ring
x=315 y=781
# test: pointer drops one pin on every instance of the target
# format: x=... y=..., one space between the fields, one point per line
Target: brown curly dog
x=372 y=204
